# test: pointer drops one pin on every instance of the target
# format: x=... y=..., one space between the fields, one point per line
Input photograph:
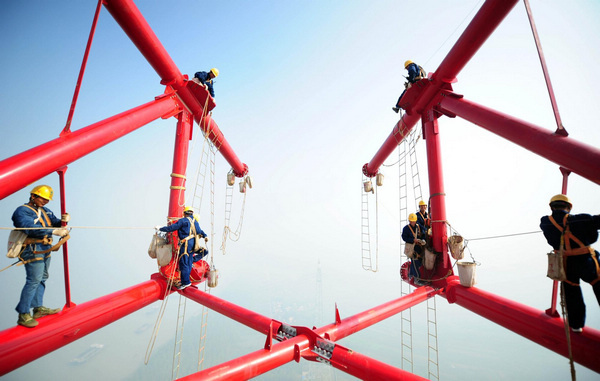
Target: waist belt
x=44 y=241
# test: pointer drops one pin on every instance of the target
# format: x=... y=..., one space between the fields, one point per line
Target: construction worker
x=36 y=254
x=414 y=233
x=415 y=73
x=422 y=216
x=575 y=233
x=186 y=243
x=205 y=78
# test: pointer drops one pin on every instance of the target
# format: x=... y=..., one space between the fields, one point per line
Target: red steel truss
x=427 y=101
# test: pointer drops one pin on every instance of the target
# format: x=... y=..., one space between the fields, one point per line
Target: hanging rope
x=563 y=306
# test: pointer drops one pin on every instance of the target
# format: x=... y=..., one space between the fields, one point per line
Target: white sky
x=304 y=98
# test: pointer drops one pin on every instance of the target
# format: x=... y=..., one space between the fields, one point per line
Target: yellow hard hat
x=561 y=197
x=43 y=191
x=421 y=203
x=188 y=209
x=408 y=62
x=215 y=71
x=412 y=217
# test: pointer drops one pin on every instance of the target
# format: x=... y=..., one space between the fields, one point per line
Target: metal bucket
x=213 y=278
x=466 y=273
x=230 y=179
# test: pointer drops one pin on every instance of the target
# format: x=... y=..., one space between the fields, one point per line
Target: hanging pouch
x=556 y=266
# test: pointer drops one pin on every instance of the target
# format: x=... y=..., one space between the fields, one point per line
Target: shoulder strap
x=560 y=228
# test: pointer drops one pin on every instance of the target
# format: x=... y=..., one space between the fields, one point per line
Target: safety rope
x=563 y=306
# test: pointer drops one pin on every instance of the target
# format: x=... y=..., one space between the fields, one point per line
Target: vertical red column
x=180 y=157
x=437 y=196
x=63 y=210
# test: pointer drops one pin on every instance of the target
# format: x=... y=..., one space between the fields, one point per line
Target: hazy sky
x=304 y=98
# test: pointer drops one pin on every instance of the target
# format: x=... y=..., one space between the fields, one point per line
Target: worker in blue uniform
x=576 y=233
x=414 y=233
x=205 y=78
x=187 y=241
x=415 y=73
x=422 y=215
x=33 y=217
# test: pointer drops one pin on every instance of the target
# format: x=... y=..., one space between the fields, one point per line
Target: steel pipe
x=568 y=153
x=25 y=168
x=528 y=322
x=20 y=345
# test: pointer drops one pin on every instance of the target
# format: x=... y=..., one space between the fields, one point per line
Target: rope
x=504 y=236
x=567 y=333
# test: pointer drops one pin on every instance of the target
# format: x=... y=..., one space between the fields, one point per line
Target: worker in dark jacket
x=422 y=215
x=413 y=233
x=186 y=243
x=415 y=73
x=36 y=254
x=576 y=233
x=205 y=78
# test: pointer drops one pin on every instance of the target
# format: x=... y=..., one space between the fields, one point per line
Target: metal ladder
x=405 y=288
x=201 y=176
x=367 y=260
x=433 y=367
x=178 y=337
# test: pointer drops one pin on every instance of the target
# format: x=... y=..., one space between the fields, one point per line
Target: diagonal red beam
x=528 y=322
x=487 y=19
x=568 y=153
x=25 y=168
x=20 y=345
x=133 y=23
x=262 y=361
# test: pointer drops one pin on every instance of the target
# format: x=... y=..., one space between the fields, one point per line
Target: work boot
x=38 y=312
x=27 y=321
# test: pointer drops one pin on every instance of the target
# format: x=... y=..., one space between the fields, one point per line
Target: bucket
x=466 y=273
x=230 y=179
x=379 y=179
x=213 y=278
x=368 y=186
x=429 y=260
x=455 y=243
x=242 y=187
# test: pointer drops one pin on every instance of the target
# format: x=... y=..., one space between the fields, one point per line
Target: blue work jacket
x=26 y=216
x=206 y=80
x=183 y=231
x=583 y=226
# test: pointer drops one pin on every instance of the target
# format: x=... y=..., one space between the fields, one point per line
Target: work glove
x=65 y=217
x=157 y=227
x=60 y=232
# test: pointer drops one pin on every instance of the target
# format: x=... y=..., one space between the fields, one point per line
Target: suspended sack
x=409 y=250
x=16 y=241
x=556 y=266
x=160 y=250
x=455 y=243
x=429 y=259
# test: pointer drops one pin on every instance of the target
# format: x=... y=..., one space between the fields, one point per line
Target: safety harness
x=566 y=239
x=45 y=221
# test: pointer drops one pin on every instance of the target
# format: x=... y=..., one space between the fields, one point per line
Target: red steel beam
x=568 y=153
x=262 y=361
x=128 y=16
x=528 y=322
x=477 y=32
x=180 y=161
x=20 y=345
x=25 y=168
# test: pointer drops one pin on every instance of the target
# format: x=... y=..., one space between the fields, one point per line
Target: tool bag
x=16 y=243
x=160 y=250
x=409 y=250
x=556 y=266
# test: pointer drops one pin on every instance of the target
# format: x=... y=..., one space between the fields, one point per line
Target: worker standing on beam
x=205 y=78
x=415 y=73
x=413 y=234
x=187 y=229
x=575 y=233
x=36 y=252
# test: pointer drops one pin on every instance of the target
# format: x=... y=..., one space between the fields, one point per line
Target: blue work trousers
x=35 y=284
